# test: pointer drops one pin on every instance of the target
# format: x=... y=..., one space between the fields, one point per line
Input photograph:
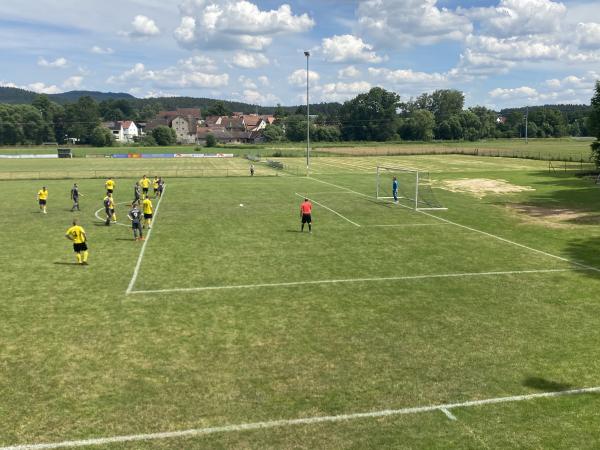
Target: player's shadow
x=542 y=384
x=123 y=239
x=60 y=263
x=585 y=251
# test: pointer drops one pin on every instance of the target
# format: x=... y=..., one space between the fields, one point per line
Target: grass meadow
x=229 y=315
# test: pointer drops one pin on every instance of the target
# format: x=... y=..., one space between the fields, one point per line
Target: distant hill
x=21 y=96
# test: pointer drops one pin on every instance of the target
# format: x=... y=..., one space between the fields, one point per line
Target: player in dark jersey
x=137 y=194
x=135 y=215
x=75 y=197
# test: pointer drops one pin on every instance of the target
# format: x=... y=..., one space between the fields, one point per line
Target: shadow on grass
x=60 y=263
x=585 y=251
x=542 y=384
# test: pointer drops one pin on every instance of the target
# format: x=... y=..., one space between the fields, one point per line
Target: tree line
x=377 y=115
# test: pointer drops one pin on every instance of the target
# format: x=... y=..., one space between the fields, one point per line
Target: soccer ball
x=241 y=204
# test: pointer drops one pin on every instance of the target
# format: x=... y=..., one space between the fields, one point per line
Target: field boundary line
x=508 y=241
x=329 y=209
x=353 y=280
x=143 y=250
x=444 y=408
x=399 y=225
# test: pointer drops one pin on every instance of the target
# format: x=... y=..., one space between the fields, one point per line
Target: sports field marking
x=400 y=225
x=329 y=209
x=485 y=233
x=114 y=223
x=445 y=408
x=351 y=280
x=143 y=250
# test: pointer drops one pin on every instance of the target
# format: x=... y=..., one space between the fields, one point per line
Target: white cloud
x=588 y=35
x=519 y=17
x=101 y=51
x=523 y=92
x=264 y=80
x=298 y=77
x=247 y=83
x=247 y=60
x=516 y=48
x=348 y=48
x=400 y=23
x=235 y=24
x=198 y=63
x=337 y=92
x=408 y=76
x=59 y=63
x=73 y=82
x=259 y=98
x=143 y=27
x=349 y=72
x=181 y=76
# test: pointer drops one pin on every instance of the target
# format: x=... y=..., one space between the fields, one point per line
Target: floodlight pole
x=526 y=124
x=307 y=54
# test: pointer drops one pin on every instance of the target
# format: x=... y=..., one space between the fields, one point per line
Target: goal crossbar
x=413 y=185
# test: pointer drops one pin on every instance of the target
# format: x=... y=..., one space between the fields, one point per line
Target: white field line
x=329 y=209
x=352 y=280
x=445 y=408
x=103 y=220
x=331 y=193
x=448 y=414
x=342 y=165
x=143 y=250
x=485 y=233
x=408 y=225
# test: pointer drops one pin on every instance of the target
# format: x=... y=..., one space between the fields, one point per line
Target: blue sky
x=501 y=53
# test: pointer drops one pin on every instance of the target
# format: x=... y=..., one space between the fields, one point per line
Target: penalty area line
x=353 y=280
x=444 y=408
x=138 y=264
x=329 y=209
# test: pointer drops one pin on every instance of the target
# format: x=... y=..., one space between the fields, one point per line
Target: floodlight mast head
x=306 y=53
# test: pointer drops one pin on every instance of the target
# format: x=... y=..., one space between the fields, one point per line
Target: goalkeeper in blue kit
x=395 y=189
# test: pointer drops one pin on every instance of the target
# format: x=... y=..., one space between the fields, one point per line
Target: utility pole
x=307 y=54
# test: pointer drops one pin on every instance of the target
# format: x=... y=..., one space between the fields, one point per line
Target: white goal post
x=414 y=187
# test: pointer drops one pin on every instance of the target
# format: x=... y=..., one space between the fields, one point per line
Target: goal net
x=414 y=187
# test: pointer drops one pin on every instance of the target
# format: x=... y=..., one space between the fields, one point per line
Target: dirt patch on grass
x=480 y=187
x=554 y=217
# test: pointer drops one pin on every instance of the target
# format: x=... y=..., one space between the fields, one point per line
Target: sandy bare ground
x=554 y=217
x=480 y=187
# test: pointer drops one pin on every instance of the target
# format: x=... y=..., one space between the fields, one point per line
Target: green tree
x=81 y=119
x=274 y=133
x=164 y=135
x=211 y=140
x=419 y=126
x=101 y=137
x=594 y=124
x=218 y=109
x=371 y=116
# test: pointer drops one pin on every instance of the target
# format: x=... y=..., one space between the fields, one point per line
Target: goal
x=414 y=187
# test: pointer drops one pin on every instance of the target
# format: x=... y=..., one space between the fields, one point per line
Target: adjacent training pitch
x=228 y=328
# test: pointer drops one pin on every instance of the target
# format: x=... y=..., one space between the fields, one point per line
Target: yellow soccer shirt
x=145 y=183
x=110 y=202
x=147 y=206
x=43 y=195
x=110 y=184
x=155 y=183
x=77 y=234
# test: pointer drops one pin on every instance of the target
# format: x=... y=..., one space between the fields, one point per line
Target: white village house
x=124 y=131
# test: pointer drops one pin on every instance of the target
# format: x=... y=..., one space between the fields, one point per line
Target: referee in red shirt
x=305 y=210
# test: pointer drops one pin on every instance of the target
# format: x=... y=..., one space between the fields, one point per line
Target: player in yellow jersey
x=147 y=209
x=110 y=185
x=77 y=235
x=155 y=185
x=145 y=184
x=42 y=196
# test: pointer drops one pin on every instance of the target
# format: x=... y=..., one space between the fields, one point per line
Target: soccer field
x=386 y=327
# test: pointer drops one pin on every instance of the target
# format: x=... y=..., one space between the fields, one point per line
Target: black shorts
x=147 y=216
x=306 y=218
x=145 y=190
x=78 y=248
x=109 y=191
x=136 y=225
x=42 y=202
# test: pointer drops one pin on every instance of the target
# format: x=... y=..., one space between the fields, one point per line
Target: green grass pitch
x=235 y=317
